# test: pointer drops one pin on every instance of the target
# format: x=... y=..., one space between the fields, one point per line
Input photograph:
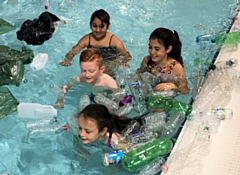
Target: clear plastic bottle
x=141 y=137
x=56 y=91
x=120 y=77
x=46 y=4
x=101 y=99
x=151 y=118
x=124 y=110
x=41 y=122
x=205 y=38
x=48 y=129
x=222 y=113
x=172 y=126
x=154 y=167
x=84 y=101
x=134 y=125
x=111 y=158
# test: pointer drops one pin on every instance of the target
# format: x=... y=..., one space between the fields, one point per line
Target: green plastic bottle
x=136 y=159
x=165 y=103
x=232 y=37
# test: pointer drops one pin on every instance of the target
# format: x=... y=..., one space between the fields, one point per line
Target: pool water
x=132 y=21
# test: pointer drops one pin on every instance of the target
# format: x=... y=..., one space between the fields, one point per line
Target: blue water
x=132 y=21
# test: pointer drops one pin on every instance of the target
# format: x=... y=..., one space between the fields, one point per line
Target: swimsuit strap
x=110 y=40
x=89 y=44
x=109 y=140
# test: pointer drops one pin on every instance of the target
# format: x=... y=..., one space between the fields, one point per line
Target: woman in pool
x=109 y=45
x=165 y=57
x=96 y=123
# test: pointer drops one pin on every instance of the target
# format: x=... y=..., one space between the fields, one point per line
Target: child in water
x=92 y=74
x=165 y=57
x=97 y=124
x=109 y=45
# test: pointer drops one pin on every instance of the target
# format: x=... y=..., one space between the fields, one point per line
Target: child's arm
x=75 y=50
x=60 y=103
x=142 y=69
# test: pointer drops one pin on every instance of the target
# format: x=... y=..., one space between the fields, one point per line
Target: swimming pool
x=132 y=21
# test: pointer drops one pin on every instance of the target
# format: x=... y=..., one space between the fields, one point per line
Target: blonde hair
x=90 y=55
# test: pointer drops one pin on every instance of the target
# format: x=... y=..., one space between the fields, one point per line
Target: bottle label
x=136 y=84
x=221 y=113
x=114 y=157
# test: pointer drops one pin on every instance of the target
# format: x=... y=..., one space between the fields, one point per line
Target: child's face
x=98 y=30
x=88 y=130
x=157 y=51
x=91 y=71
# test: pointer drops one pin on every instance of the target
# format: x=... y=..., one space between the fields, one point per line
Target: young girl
x=91 y=65
x=108 y=44
x=97 y=124
x=165 y=57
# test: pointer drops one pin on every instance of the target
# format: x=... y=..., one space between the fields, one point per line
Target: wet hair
x=102 y=15
x=90 y=55
x=168 y=38
x=104 y=118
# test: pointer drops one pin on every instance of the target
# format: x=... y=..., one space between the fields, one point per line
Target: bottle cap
x=65 y=127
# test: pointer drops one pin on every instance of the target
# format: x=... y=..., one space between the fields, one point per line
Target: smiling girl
x=165 y=57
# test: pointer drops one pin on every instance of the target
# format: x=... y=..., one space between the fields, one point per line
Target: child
x=96 y=123
x=108 y=44
x=91 y=64
x=165 y=57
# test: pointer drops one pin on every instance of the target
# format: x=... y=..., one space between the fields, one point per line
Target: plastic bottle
x=84 y=101
x=150 y=78
x=155 y=102
x=205 y=38
x=172 y=126
x=151 y=118
x=223 y=113
x=134 y=125
x=36 y=110
x=124 y=110
x=56 y=91
x=166 y=78
x=48 y=129
x=141 y=137
x=120 y=77
x=224 y=80
x=39 y=61
x=111 y=158
x=154 y=167
x=40 y=122
x=46 y=4
x=232 y=37
x=136 y=159
x=111 y=105
x=125 y=100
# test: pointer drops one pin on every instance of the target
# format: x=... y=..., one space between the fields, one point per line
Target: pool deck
x=223 y=157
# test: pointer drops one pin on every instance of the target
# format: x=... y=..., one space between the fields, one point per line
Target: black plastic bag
x=37 y=31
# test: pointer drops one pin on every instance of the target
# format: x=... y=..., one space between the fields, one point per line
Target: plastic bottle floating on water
x=112 y=158
x=39 y=61
x=36 y=110
x=46 y=4
x=49 y=129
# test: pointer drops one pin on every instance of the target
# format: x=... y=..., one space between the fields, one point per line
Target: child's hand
x=125 y=64
x=65 y=62
x=59 y=103
x=165 y=87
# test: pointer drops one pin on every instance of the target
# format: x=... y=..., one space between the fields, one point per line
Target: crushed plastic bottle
x=84 y=101
x=39 y=61
x=154 y=167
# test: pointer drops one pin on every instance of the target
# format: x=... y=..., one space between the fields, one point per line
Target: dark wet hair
x=169 y=38
x=102 y=15
x=104 y=118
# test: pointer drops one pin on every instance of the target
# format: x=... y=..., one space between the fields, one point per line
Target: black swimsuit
x=110 y=55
